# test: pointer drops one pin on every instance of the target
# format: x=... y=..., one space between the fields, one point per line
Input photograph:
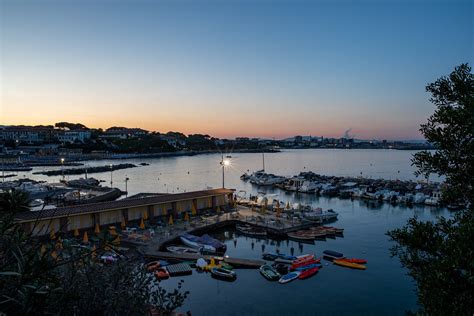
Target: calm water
x=383 y=288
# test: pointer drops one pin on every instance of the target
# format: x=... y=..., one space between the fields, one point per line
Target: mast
x=263 y=159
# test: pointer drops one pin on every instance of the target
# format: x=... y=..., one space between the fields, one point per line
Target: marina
x=247 y=245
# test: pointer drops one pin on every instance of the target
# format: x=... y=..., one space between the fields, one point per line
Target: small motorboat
x=180 y=250
x=284 y=261
x=303 y=258
x=332 y=254
x=223 y=274
x=269 y=273
x=349 y=264
x=153 y=266
x=308 y=273
x=309 y=266
x=286 y=257
x=339 y=231
x=304 y=263
x=161 y=274
x=269 y=256
x=354 y=260
x=204 y=243
x=251 y=231
x=289 y=277
x=301 y=236
x=281 y=268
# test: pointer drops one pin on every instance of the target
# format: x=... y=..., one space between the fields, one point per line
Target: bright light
x=62 y=160
x=226 y=162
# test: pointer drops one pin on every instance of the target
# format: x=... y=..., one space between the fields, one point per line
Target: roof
x=120 y=204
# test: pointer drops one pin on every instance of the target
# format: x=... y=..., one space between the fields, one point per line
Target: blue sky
x=231 y=68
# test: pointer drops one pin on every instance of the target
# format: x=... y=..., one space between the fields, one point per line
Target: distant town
x=67 y=142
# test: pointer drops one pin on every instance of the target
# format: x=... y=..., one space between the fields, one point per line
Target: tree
x=439 y=255
x=63 y=278
x=451 y=130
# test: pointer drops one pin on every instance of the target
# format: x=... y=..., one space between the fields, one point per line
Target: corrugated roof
x=120 y=204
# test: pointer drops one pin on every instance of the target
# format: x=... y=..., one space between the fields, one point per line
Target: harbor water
x=384 y=288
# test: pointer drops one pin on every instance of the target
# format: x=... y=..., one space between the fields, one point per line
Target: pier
x=277 y=228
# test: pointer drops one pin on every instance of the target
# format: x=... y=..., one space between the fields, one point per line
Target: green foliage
x=38 y=278
x=70 y=126
x=451 y=130
x=439 y=255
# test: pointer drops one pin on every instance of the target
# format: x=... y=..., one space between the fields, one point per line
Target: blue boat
x=204 y=243
x=332 y=254
x=289 y=277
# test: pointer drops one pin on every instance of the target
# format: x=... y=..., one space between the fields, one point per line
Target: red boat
x=304 y=263
x=161 y=274
x=307 y=273
x=354 y=260
x=304 y=258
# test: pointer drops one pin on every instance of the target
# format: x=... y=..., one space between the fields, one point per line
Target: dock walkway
x=153 y=249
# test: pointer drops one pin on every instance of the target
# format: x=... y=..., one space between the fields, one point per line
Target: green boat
x=226 y=266
x=269 y=273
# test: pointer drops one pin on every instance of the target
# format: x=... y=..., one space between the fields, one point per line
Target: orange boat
x=354 y=260
x=153 y=266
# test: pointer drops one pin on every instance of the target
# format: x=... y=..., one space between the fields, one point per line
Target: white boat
x=419 y=198
x=294 y=184
x=178 y=249
x=289 y=277
x=321 y=216
x=433 y=200
x=309 y=186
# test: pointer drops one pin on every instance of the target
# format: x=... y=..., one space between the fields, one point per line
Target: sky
x=258 y=68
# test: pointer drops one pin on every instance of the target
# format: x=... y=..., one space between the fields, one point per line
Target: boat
x=269 y=256
x=286 y=257
x=332 y=254
x=354 y=260
x=309 y=266
x=269 y=273
x=161 y=274
x=308 y=273
x=180 y=250
x=304 y=263
x=289 y=277
x=153 y=266
x=281 y=268
x=284 y=261
x=339 y=231
x=349 y=264
x=251 y=231
x=223 y=274
x=300 y=236
x=303 y=258
x=204 y=243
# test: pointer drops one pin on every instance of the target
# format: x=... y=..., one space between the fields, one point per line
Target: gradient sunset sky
x=230 y=68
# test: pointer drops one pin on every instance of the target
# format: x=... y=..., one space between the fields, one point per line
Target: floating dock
x=235 y=262
x=179 y=269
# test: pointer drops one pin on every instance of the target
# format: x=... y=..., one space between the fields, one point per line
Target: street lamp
x=62 y=167
x=224 y=163
x=126 y=187
x=111 y=170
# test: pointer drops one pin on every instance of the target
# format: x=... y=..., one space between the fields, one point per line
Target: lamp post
x=224 y=163
x=62 y=167
x=126 y=187
x=111 y=180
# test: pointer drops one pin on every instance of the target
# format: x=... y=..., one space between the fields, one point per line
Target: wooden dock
x=235 y=262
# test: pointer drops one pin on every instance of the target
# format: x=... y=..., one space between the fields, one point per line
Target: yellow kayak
x=350 y=264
